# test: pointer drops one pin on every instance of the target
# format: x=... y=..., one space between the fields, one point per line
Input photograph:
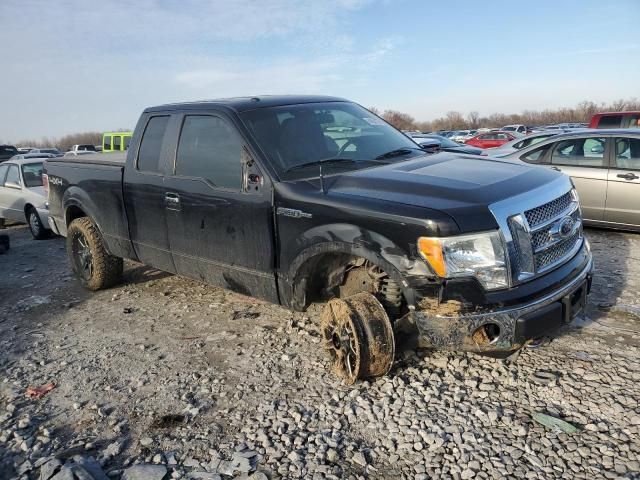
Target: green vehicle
x=116 y=141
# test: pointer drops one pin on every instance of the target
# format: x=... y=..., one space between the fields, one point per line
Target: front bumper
x=43 y=213
x=509 y=327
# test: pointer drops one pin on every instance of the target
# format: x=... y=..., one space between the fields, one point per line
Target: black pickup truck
x=298 y=199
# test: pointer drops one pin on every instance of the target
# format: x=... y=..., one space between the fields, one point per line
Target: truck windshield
x=297 y=137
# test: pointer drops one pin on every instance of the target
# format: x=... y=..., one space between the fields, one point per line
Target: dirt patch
x=451 y=308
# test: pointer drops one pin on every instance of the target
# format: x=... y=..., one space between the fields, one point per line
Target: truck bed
x=116 y=159
x=94 y=182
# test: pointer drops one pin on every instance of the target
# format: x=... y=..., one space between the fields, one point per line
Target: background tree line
x=451 y=121
x=458 y=121
x=66 y=142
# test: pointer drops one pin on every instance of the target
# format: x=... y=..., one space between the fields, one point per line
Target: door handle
x=628 y=176
x=172 y=201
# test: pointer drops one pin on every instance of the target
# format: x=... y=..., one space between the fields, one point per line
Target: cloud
x=287 y=75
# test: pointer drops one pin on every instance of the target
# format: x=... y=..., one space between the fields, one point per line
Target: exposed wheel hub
x=358 y=337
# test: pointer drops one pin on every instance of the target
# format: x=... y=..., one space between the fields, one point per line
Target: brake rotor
x=358 y=337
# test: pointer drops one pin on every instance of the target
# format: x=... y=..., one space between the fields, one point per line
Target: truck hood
x=462 y=186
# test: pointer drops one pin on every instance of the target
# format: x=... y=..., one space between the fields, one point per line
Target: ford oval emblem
x=566 y=227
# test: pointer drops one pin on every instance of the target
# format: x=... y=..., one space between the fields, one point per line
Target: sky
x=94 y=65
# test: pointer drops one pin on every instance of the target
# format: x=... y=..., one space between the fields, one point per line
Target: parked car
x=51 y=150
x=436 y=143
x=520 y=143
x=490 y=139
x=615 y=120
x=22 y=195
x=461 y=136
x=605 y=168
x=71 y=153
x=266 y=197
x=518 y=129
x=85 y=147
x=7 y=151
x=23 y=156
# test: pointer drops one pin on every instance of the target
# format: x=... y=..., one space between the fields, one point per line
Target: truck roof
x=242 y=104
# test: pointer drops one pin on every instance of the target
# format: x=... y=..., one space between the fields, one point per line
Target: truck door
x=623 y=191
x=144 y=195
x=219 y=209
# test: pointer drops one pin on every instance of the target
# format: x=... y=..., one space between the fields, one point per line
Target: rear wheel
x=90 y=261
x=358 y=337
x=38 y=230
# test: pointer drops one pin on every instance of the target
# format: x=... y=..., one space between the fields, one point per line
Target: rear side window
x=13 y=176
x=634 y=121
x=151 y=144
x=3 y=173
x=627 y=153
x=535 y=156
x=579 y=152
x=127 y=142
x=211 y=149
x=610 y=121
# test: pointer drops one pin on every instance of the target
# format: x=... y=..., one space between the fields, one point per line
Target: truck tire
x=90 y=261
x=358 y=337
x=38 y=230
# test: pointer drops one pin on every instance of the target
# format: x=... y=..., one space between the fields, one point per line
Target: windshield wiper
x=398 y=152
x=318 y=162
x=328 y=161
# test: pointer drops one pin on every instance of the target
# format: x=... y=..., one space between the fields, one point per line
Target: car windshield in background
x=32 y=174
x=446 y=143
x=345 y=135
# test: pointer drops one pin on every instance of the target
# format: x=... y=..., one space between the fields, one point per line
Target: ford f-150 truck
x=298 y=199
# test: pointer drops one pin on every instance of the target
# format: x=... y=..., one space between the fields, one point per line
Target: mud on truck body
x=304 y=199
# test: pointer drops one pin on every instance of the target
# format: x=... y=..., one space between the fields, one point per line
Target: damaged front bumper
x=503 y=330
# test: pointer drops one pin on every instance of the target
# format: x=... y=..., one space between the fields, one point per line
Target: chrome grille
x=543 y=213
x=556 y=252
x=541 y=238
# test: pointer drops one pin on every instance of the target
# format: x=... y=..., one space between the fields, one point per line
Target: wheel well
x=327 y=275
x=72 y=213
x=27 y=208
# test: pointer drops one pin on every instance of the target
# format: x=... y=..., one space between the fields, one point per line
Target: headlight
x=479 y=255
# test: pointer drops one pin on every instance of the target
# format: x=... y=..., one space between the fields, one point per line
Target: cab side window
x=211 y=149
x=151 y=144
x=117 y=139
x=107 y=143
x=579 y=152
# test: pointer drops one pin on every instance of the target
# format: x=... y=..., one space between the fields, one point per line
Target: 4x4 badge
x=290 y=212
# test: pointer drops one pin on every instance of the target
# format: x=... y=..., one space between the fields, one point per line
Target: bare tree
x=472 y=119
x=402 y=121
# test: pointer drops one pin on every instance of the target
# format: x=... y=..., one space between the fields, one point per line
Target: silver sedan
x=22 y=196
x=605 y=168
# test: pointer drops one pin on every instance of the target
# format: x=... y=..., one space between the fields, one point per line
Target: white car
x=515 y=129
x=22 y=196
x=463 y=135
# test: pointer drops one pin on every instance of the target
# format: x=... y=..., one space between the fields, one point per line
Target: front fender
x=397 y=262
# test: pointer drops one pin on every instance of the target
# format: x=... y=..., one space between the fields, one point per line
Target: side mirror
x=12 y=185
x=597 y=149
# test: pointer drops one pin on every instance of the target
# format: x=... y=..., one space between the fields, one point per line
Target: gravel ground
x=164 y=377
